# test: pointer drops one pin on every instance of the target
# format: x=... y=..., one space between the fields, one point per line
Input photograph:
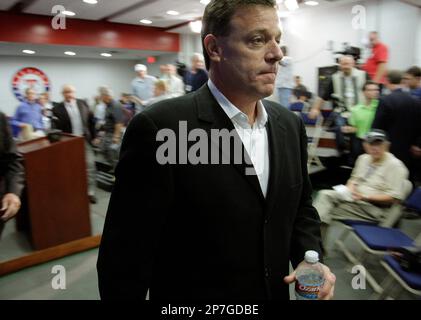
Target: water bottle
x=310 y=277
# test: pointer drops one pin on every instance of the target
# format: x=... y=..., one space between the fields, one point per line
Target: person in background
x=175 y=85
x=399 y=114
x=412 y=81
x=28 y=117
x=12 y=175
x=284 y=79
x=113 y=126
x=376 y=65
x=376 y=183
x=99 y=113
x=197 y=75
x=299 y=87
x=345 y=87
x=73 y=116
x=142 y=85
x=129 y=107
x=361 y=119
x=160 y=92
x=47 y=107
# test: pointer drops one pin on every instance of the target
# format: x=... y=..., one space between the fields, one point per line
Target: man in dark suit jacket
x=399 y=114
x=12 y=174
x=199 y=231
x=73 y=116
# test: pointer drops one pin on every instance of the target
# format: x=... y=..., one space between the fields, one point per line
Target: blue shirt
x=29 y=113
x=416 y=93
x=143 y=88
x=194 y=81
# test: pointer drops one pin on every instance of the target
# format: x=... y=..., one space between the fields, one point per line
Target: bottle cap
x=311 y=256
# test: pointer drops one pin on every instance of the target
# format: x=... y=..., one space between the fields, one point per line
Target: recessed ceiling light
x=70 y=53
x=104 y=54
x=91 y=1
x=173 y=13
x=68 y=13
x=205 y=2
x=145 y=21
x=28 y=51
x=311 y=3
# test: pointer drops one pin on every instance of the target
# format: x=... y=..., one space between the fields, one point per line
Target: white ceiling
x=15 y=49
x=131 y=11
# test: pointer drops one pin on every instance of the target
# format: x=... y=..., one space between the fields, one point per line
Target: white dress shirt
x=75 y=117
x=254 y=138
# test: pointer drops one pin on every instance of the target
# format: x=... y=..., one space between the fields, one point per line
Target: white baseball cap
x=140 y=67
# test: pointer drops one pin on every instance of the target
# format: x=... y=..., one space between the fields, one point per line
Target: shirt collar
x=233 y=112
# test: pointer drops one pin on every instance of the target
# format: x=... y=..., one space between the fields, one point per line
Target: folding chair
x=370 y=235
x=313 y=164
x=410 y=281
x=296 y=106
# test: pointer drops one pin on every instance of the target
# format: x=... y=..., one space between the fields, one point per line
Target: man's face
x=69 y=94
x=376 y=149
x=30 y=95
x=371 y=91
x=346 y=64
x=141 y=74
x=373 y=39
x=197 y=63
x=410 y=81
x=249 y=55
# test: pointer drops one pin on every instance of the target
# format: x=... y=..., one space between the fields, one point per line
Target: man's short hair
x=414 y=71
x=29 y=89
x=369 y=83
x=394 y=77
x=217 y=17
x=105 y=91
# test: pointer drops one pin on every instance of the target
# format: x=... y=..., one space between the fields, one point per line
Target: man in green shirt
x=362 y=116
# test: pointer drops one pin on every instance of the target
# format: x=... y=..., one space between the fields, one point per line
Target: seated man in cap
x=375 y=184
x=143 y=86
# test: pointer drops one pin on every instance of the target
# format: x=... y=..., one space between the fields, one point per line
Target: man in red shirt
x=376 y=65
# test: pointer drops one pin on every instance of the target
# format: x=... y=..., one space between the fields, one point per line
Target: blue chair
x=414 y=201
x=409 y=281
x=375 y=239
x=296 y=106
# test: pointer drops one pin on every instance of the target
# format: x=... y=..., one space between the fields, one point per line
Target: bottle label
x=309 y=287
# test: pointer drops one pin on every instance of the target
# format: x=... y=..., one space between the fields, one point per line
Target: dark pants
x=337 y=122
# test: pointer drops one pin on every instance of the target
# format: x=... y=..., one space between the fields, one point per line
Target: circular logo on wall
x=29 y=78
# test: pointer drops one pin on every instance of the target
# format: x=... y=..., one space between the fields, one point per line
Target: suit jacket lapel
x=276 y=140
x=211 y=112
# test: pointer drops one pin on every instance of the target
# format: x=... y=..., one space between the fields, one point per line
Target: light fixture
x=68 y=13
x=196 y=26
x=70 y=53
x=291 y=5
x=91 y=1
x=145 y=21
x=311 y=3
x=205 y=2
x=173 y=13
x=28 y=51
x=104 y=54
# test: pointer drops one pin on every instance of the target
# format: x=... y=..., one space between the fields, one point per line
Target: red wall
x=37 y=29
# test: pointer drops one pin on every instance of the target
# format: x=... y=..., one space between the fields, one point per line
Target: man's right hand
x=314 y=113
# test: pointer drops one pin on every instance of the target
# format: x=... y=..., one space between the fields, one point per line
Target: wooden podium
x=55 y=209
